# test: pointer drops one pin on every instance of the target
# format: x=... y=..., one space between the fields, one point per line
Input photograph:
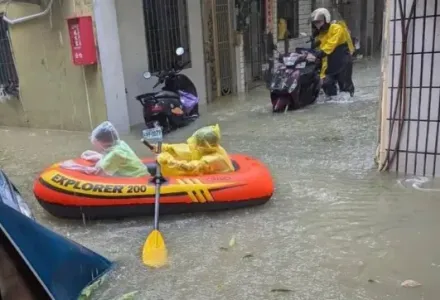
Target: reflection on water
x=420 y=183
x=335 y=229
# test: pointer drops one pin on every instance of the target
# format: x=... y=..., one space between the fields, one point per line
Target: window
x=288 y=19
x=8 y=73
x=166 y=29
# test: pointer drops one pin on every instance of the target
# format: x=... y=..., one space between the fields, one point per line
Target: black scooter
x=295 y=83
x=177 y=104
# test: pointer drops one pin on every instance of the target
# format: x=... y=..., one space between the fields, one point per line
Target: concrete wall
x=418 y=146
x=53 y=92
x=134 y=52
x=111 y=61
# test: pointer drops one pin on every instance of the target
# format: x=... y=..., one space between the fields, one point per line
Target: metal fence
x=166 y=28
x=8 y=72
x=412 y=116
x=223 y=17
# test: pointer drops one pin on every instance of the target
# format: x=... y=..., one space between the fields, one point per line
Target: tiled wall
x=418 y=151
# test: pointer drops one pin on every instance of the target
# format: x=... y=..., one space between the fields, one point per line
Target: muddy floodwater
x=335 y=228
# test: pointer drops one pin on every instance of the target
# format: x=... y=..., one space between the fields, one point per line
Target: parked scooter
x=296 y=81
x=176 y=104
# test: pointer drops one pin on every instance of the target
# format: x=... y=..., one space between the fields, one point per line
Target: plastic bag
x=104 y=136
x=91 y=155
x=188 y=100
x=71 y=165
x=205 y=140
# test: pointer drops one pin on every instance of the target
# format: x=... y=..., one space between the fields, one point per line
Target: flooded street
x=335 y=228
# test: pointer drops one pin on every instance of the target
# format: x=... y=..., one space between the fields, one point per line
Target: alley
x=335 y=228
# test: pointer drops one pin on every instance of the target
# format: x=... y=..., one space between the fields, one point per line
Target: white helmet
x=321 y=14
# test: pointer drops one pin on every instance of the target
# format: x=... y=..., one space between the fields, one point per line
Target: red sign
x=82 y=40
x=269 y=15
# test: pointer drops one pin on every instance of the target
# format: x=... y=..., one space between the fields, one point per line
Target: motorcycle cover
x=62 y=267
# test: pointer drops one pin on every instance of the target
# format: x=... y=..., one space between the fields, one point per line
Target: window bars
x=166 y=29
x=414 y=109
x=8 y=72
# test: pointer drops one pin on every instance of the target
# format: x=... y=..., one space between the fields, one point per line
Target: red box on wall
x=82 y=40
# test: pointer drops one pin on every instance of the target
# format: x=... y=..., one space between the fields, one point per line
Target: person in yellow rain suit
x=283 y=33
x=335 y=49
x=201 y=154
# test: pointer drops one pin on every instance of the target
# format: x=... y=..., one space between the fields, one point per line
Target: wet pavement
x=335 y=228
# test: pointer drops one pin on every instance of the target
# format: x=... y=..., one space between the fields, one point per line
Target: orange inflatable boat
x=72 y=194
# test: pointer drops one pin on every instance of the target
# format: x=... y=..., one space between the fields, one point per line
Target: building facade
x=226 y=41
x=410 y=110
x=39 y=86
x=263 y=18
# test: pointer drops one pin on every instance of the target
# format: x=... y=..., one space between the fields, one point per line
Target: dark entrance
x=253 y=44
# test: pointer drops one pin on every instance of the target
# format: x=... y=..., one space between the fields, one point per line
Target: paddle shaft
x=146 y=143
x=158 y=180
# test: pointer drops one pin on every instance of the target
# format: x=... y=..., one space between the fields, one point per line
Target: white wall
x=419 y=145
x=197 y=72
x=111 y=64
x=134 y=52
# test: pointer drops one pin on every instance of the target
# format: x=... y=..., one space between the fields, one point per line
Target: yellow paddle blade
x=154 y=253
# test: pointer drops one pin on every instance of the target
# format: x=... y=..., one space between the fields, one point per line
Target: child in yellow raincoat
x=201 y=154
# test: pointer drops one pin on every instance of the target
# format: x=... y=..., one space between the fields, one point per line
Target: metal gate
x=253 y=44
x=218 y=47
x=410 y=121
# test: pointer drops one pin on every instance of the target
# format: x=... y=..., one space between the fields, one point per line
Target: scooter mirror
x=303 y=34
x=147 y=75
x=180 y=51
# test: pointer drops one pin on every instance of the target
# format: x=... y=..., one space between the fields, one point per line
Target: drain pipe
x=30 y=17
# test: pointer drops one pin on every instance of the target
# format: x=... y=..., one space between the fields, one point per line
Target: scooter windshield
x=280 y=78
x=291 y=59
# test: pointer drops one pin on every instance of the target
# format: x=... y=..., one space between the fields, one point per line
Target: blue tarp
x=63 y=267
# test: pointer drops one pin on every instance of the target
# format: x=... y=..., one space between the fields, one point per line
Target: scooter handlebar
x=181 y=67
x=185 y=64
x=164 y=74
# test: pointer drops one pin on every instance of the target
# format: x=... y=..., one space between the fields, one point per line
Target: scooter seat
x=145 y=96
x=167 y=94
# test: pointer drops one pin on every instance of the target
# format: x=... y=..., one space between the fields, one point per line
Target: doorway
x=253 y=44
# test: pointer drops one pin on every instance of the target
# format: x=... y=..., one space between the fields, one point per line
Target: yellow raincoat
x=202 y=154
x=337 y=35
x=282 y=29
